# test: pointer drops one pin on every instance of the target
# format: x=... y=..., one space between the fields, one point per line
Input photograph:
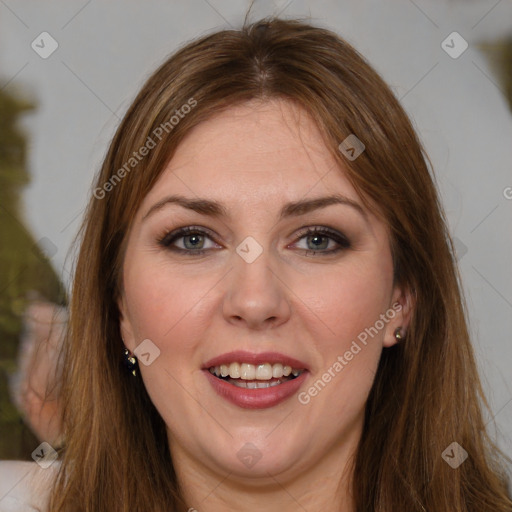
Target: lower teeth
x=257 y=384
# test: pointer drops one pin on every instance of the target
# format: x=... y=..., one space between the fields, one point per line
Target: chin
x=257 y=456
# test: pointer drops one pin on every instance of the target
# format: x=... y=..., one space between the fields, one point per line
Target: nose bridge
x=255 y=293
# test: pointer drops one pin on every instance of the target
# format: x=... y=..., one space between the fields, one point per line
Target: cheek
x=347 y=302
x=345 y=308
x=162 y=301
x=169 y=308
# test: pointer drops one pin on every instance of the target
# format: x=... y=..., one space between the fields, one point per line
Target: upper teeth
x=248 y=371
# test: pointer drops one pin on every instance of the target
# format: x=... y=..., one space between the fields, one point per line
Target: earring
x=130 y=362
x=398 y=334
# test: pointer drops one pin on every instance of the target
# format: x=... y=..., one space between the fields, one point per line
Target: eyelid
x=322 y=230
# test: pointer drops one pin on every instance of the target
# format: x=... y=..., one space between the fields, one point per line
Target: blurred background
x=69 y=69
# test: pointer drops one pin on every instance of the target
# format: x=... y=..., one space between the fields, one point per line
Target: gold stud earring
x=398 y=334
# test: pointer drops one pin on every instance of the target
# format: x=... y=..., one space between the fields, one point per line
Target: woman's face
x=246 y=292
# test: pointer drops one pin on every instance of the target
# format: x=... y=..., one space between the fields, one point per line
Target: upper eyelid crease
x=295 y=208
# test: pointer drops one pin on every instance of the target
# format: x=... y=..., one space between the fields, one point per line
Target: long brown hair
x=426 y=393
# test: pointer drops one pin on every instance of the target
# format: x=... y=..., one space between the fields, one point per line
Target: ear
x=399 y=314
x=125 y=325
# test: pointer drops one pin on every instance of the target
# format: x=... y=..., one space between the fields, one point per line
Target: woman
x=266 y=310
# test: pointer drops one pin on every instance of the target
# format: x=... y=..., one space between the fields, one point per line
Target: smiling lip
x=261 y=398
x=255 y=398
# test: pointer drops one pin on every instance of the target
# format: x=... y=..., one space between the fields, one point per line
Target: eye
x=322 y=240
x=193 y=240
x=190 y=239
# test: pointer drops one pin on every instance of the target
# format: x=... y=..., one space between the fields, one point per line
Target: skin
x=254 y=158
x=35 y=395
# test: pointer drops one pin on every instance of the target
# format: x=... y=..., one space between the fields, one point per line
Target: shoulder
x=25 y=486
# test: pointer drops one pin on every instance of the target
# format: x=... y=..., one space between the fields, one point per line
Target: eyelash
x=169 y=238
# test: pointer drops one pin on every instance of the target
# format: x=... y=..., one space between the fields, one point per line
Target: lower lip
x=255 y=398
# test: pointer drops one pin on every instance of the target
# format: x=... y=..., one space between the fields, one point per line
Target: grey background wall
x=106 y=50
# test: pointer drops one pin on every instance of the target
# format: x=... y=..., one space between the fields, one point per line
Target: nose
x=256 y=294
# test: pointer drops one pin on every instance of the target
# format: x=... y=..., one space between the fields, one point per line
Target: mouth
x=255 y=381
x=250 y=376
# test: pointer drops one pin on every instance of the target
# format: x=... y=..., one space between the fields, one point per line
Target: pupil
x=311 y=238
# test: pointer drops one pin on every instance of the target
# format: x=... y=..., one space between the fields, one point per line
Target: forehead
x=254 y=155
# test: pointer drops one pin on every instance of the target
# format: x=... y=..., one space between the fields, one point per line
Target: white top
x=25 y=486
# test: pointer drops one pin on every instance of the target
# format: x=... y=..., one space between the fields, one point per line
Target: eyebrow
x=291 y=209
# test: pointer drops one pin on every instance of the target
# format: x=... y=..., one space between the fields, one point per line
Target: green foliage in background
x=499 y=54
x=25 y=272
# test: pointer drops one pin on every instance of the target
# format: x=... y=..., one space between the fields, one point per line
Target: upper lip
x=242 y=356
